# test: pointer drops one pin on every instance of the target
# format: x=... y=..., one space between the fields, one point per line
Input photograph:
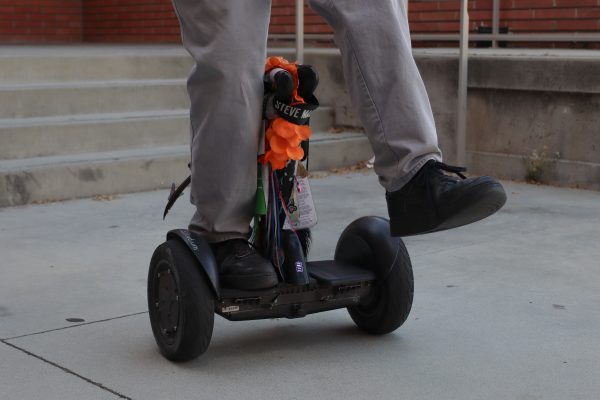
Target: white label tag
x=230 y=309
x=301 y=207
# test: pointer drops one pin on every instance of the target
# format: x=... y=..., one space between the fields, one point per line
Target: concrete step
x=336 y=150
x=39 y=99
x=27 y=64
x=73 y=98
x=30 y=180
x=35 y=100
x=62 y=135
x=63 y=177
x=88 y=133
x=322 y=119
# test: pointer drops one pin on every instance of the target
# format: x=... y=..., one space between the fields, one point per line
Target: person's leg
x=384 y=84
x=388 y=93
x=227 y=39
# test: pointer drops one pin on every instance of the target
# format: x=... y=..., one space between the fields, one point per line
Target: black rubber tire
x=367 y=243
x=189 y=305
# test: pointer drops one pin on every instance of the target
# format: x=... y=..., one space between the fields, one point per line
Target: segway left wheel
x=180 y=302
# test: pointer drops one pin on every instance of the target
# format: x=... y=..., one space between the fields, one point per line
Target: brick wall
x=283 y=19
x=40 y=21
x=120 y=21
x=125 y=21
x=519 y=16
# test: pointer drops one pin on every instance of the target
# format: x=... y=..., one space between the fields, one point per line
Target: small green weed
x=536 y=162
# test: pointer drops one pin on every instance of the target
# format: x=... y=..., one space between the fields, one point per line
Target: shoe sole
x=482 y=206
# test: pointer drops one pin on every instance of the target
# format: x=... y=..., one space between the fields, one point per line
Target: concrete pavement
x=504 y=309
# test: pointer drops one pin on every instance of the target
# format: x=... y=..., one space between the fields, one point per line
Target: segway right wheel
x=180 y=302
x=367 y=243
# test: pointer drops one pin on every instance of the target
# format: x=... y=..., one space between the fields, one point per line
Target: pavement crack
x=74 y=326
x=65 y=369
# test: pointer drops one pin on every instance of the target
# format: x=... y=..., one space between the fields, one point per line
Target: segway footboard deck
x=333 y=285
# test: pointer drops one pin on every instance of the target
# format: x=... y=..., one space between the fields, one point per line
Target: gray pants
x=227 y=39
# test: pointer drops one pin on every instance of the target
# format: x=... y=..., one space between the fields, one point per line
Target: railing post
x=461 y=115
x=299 y=31
x=495 y=22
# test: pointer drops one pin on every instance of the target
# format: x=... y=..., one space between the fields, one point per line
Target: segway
x=370 y=274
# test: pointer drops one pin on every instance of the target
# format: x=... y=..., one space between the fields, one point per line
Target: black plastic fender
x=367 y=243
x=203 y=253
x=294 y=264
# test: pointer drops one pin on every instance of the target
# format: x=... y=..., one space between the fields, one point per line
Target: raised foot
x=433 y=201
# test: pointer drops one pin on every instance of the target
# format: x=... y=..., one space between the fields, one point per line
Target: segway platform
x=332 y=285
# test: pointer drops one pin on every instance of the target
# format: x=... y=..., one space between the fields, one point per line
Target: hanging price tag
x=301 y=207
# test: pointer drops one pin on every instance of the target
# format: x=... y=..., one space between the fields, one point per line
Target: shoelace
x=436 y=168
x=450 y=168
x=433 y=170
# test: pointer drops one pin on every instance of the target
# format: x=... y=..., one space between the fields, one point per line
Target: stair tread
x=86 y=84
x=92 y=50
x=104 y=156
x=101 y=117
x=135 y=153
x=91 y=118
x=327 y=136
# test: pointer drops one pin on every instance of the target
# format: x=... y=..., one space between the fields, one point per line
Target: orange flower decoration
x=282 y=137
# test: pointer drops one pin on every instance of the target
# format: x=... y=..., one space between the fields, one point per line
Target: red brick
x=520 y=4
x=480 y=5
x=42 y=20
x=449 y=27
x=556 y=13
x=516 y=14
x=424 y=27
x=588 y=13
x=576 y=3
x=475 y=16
x=575 y=26
x=532 y=26
x=417 y=6
x=441 y=16
x=448 y=5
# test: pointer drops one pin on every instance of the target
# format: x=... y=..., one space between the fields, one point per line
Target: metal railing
x=463 y=74
x=300 y=31
x=464 y=37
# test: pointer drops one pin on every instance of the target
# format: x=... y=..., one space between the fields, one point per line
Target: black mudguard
x=200 y=248
x=367 y=243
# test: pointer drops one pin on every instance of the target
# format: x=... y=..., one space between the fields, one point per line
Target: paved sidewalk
x=504 y=309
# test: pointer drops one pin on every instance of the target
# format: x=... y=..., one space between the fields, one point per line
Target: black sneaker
x=241 y=267
x=433 y=201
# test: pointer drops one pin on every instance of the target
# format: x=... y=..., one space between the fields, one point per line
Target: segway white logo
x=192 y=242
x=230 y=309
x=299 y=267
x=291 y=111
